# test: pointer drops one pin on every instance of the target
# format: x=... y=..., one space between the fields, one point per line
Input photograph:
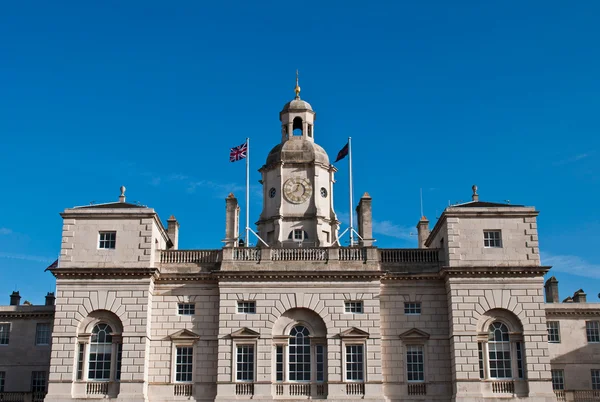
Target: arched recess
x=501 y=349
x=100 y=349
x=297 y=126
x=300 y=316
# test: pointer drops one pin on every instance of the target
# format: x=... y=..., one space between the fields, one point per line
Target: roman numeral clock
x=297 y=190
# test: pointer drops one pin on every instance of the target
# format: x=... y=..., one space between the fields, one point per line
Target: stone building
x=461 y=318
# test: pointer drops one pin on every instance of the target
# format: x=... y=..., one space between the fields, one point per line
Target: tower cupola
x=297 y=118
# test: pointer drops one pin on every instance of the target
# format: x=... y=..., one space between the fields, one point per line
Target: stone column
x=365 y=220
x=232 y=219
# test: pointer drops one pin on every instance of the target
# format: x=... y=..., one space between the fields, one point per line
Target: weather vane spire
x=297 y=89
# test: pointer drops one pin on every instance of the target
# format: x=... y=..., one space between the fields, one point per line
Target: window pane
x=4 y=333
x=100 y=353
x=38 y=381
x=299 y=351
x=413 y=308
x=353 y=307
x=415 y=363
x=499 y=351
x=2 y=380
x=558 y=381
x=184 y=364
x=245 y=363
x=246 y=307
x=354 y=362
x=596 y=379
x=186 y=308
x=592 y=329
x=42 y=334
x=553 y=331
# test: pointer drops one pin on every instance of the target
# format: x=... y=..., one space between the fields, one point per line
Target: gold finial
x=297 y=87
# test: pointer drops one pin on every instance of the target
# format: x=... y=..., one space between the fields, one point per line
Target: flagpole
x=247 y=192
x=350 y=183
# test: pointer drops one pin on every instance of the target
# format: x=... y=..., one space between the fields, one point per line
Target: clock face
x=297 y=190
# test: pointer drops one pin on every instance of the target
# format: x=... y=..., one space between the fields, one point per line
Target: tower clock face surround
x=297 y=190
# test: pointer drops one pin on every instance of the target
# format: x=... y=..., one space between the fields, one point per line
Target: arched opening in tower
x=297 y=127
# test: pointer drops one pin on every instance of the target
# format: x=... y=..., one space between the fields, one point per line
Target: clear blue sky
x=436 y=95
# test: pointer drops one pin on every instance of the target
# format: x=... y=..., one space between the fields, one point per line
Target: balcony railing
x=96 y=388
x=352 y=254
x=355 y=388
x=409 y=255
x=419 y=388
x=189 y=256
x=246 y=254
x=299 y=254
x=301 y=390
x=182 y=389
x=246 y=389
x=577 y=396
x=503 y=387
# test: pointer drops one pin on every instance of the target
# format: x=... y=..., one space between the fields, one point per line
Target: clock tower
x=298 y=184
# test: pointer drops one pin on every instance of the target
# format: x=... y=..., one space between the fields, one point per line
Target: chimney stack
x=364 y=212
x=232 y=221
x=15 y=298
x=580 y=296
x=475 y=196
x=173 y=231
x=50 y=298
x=423 y=231
x=551 y=288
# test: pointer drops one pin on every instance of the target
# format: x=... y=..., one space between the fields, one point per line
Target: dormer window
x=298 y=235
x=107 y=240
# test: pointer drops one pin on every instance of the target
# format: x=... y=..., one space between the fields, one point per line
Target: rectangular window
x=553 y=331
x=246 y=307
x=355 y=370
x=320 y=351
x=2 y=380
x=80 y=358
x=492 y=239
x=184 y=364
x=4 y=333
x=412 y=308
x=279 y=363
x=355 y=307
x=108 y=240
x=592 y=328
x=499 y=360
x=415 y=363
x=558 y=380
x=99 y=361
x=520 y=371
x=119 y=359
x=480 y=355
x=186 y=308
x=245 y=363
x=38 y=381
x=42 y=334
x=298 y=234
x=596 y=379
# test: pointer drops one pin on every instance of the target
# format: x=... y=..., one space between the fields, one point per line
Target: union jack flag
x=238 y=153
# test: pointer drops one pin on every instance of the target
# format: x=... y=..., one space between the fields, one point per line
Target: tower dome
x=297 y=150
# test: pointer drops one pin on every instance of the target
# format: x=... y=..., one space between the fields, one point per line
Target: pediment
x=414 y=334
x=184 y=335
x=245 y=332
x=354 y=332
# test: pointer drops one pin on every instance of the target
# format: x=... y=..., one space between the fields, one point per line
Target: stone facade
x=461 y=318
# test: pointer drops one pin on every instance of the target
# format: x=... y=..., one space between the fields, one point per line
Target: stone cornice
x=406 y=276
x=103 y=273
x=574 y=309
x=299 y=275
x=26 y=314
x=495 y=271
x=195 y=277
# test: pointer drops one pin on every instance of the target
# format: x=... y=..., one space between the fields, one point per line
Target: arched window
x=501 y=352
x=299 y=354
x=297 y=126
x=499 y=356
x=100 y=353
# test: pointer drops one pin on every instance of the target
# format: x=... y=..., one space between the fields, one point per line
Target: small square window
x=412 y=308
x=558 y=380
x=246 y=307
x=108 y=240
x=355 y=307
x=592 y=329
x=186 y=309
x=4 y=333
x=492 y=239
x=596 y=379
x=553 y=331
x=42 y=334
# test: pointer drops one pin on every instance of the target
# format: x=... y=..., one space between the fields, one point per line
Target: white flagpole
x=247 y=192
x=350 y=182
